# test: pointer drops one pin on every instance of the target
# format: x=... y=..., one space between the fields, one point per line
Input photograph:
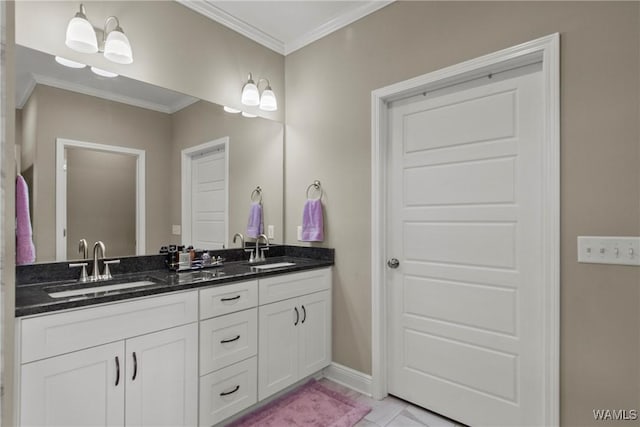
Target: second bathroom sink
x=96 y=290
x=274 y=265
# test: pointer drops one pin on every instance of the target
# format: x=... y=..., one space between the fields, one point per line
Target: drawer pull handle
x=117 y=371
x=297 y=316
x=227 y=393
x=230 y=299
x=135 y=366
x=230 y=340
x=304 y=311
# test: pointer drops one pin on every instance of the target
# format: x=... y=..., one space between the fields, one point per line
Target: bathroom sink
x=96 y=290
x=274 y=265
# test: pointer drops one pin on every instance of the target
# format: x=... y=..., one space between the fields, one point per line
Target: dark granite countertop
x=34 y=298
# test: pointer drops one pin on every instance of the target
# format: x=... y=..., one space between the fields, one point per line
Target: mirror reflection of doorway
x=205 y=195
x=99 y=196
x=101 y=200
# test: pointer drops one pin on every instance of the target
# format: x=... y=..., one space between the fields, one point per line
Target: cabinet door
x=162 y=378
x=315 y=332
x=277 y=346
x=83 y=388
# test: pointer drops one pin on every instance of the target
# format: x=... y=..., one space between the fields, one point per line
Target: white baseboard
x=348 y=377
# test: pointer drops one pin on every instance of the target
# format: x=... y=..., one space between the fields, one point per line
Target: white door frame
x=61 y=192
x=547 y=51
x=187 y=154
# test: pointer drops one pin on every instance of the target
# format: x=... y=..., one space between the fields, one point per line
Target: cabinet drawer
x=228 y=339
x=59 y=333
x=228 y=299
x=287 y=286
x=228 y=391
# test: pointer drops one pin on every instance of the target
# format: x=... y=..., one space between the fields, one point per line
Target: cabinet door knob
x=236 y=338
x=297 y=316
x=304 y=311
x=117 y=371
x=226 y=393
x=135 y=366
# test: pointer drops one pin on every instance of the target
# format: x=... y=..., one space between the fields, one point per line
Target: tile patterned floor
x=391 y=411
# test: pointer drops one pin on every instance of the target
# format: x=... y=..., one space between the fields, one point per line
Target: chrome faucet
x=83 y=249
x=260 y=253
x=95 y=273
x=241 y=239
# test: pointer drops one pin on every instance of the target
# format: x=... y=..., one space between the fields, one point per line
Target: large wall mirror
x=92 y=132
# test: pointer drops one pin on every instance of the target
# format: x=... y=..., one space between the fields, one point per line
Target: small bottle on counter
x=206 y=258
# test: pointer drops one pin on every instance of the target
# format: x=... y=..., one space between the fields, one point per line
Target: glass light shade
x=268 y=100
x=250 y=94
x=248 y=115
x=231 y=110
x=69 y=63
x=117 y=48
x=81 y=36
x=103 y=73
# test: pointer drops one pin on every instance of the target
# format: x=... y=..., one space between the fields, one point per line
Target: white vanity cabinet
x=128 y=363
x=182 y=359
x=295 y=328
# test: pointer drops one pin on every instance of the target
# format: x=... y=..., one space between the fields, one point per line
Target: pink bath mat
x=311 y=404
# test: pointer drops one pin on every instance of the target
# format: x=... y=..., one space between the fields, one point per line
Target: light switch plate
x=176 y=230
x=609 y=250
x=271 y=231
x=299 y=232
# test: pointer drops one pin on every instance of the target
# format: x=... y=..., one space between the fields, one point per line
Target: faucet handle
x=83 y=274
x=107 y=272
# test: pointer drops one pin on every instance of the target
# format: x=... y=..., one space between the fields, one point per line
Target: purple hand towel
x=255 y=226
x=25 y=250
x=312 y=221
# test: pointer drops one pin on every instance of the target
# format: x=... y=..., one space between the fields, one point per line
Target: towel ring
x=257 y=192
x=316 y=186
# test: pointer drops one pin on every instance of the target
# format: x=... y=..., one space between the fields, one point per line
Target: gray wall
x=329 y=139
x=7 y=263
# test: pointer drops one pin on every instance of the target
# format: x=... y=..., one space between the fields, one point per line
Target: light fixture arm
x=116 y=28
x=268 y=87
x=82 y=13
x=105 y=33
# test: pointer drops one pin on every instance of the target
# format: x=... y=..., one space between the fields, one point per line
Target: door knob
x=393 y=263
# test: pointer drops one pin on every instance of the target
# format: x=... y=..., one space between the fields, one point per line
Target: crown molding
x=335 y=24
x=207 y=9
x=73 y=87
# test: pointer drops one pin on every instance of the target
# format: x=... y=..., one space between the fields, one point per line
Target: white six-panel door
x=465 y=322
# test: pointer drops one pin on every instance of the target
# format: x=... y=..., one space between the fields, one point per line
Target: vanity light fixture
x=81 y=37
x=248 y=115
x=251 y=95
x=231 y=110
x=69 y=63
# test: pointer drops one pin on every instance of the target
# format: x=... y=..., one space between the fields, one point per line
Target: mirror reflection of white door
x=205 y=195
x=94 y=182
